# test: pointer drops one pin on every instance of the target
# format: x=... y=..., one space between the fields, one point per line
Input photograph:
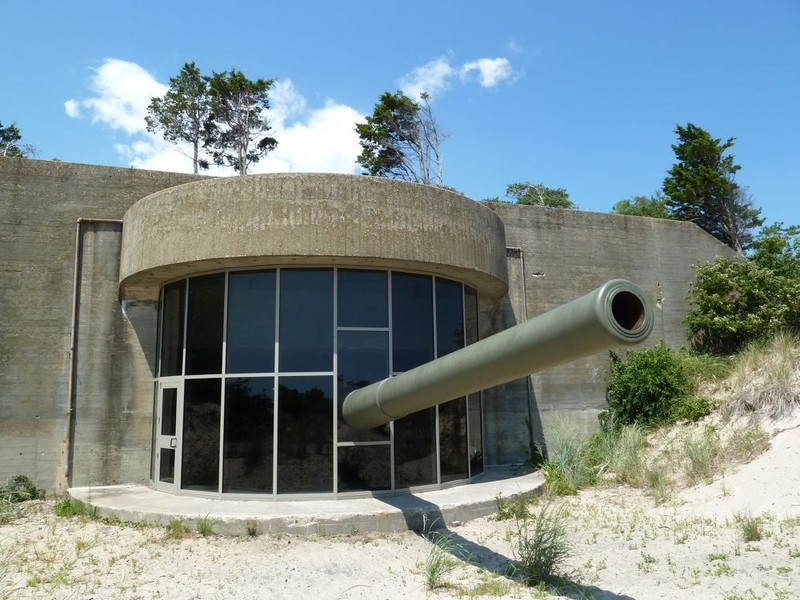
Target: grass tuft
x=541 y=546
x=440 y=560
x=766 y=377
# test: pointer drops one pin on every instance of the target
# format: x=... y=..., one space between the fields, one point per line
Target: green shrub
x=569 y=467
x=20 y=488
x=440 y=560
x=556 y=483
x=541 y=546
x=511 y=509
x=701 y=452
x=690 y=408
x=645 y=388
x=736 y=301
x=67 y=507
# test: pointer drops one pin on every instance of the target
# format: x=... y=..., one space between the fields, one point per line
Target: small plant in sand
x=701 y=451
x=569 y=467
x=19 y=488
x=69 y=507
x=541 y=546
x=440 y=560
x=177 y=529
x=204 y=526
x=511 y=509
x=750 y=527
x=765 y=377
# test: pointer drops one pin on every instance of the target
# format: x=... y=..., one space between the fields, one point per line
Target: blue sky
x=583 y=95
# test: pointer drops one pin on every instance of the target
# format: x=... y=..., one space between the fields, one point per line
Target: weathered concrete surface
x=560 y=255
x=438 y=508
x=565 y=254
x=305 y=218
x=40 y=202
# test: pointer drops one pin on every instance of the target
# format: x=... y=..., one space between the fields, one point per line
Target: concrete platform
x=440 y=508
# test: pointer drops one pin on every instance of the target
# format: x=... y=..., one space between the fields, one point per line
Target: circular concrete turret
x=310 y=219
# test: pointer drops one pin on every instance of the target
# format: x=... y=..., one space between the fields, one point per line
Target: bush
x=569 y=467
x=541 y=546
x=736 y=301
x=648 y=387
x=20 y=488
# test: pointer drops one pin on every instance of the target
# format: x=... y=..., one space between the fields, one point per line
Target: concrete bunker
x=154 y=317
x=283 y=306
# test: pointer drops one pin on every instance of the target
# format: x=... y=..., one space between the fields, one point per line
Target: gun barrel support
x=615 y=314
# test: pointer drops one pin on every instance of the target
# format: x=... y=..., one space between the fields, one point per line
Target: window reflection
x=415 y=449
x=306 y=329
x=449 y=317
x=172 y=328
x=412 y=321
x=201 y=430
x=251 y=322
x=363 y=299
x=305 y=434
x=364 y=468
x=249 y=421
x=204 y=324
x=453 y=440
x=363 y=358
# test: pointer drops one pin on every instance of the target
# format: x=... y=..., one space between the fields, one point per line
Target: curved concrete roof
x=310 y=219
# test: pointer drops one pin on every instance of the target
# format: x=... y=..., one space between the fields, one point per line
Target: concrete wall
x=40 y=203
x=554 y=256
x=562 y=254
x=314 y=219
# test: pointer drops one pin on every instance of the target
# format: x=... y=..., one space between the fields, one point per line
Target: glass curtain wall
x=266 y=358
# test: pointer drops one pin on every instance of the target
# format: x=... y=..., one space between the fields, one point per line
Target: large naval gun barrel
x=615 y=314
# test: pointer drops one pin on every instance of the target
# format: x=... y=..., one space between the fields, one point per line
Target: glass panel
x=475 y=434
x=247 y=452
x=154 y=433
x=363 y=299
x=251 y=322
x=169 y=411
x=172 y=328
x=412 y=321
x=449 y=317
x=204 y=324
x=166 y=470
x=471 y=314
x=363 y=359
x=415 y=449
x=453 y=440
x=305 y=434
x=201 y=429
x=364 y=468
x=306 y=329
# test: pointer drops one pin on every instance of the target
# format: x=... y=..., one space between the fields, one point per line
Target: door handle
x=173 y=442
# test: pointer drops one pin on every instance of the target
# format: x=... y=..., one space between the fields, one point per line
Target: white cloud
x=323 y=140
x=285 y=102
x=73 y=108
x=122 y=93
x=430 y=78
x=436 y=76
x=491 y=71
x=319 y=139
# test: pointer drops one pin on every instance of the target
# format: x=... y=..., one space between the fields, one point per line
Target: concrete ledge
x=141 y=504
x=296 y=219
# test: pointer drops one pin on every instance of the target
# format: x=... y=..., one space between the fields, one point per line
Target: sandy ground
x=624 y=547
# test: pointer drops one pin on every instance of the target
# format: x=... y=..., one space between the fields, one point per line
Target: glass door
x=168 y=435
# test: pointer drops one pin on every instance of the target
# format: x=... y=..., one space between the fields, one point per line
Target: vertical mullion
x=275 y=382
x=391 y=370
x=335 y=381
x=435 y=356
x=222 y=386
